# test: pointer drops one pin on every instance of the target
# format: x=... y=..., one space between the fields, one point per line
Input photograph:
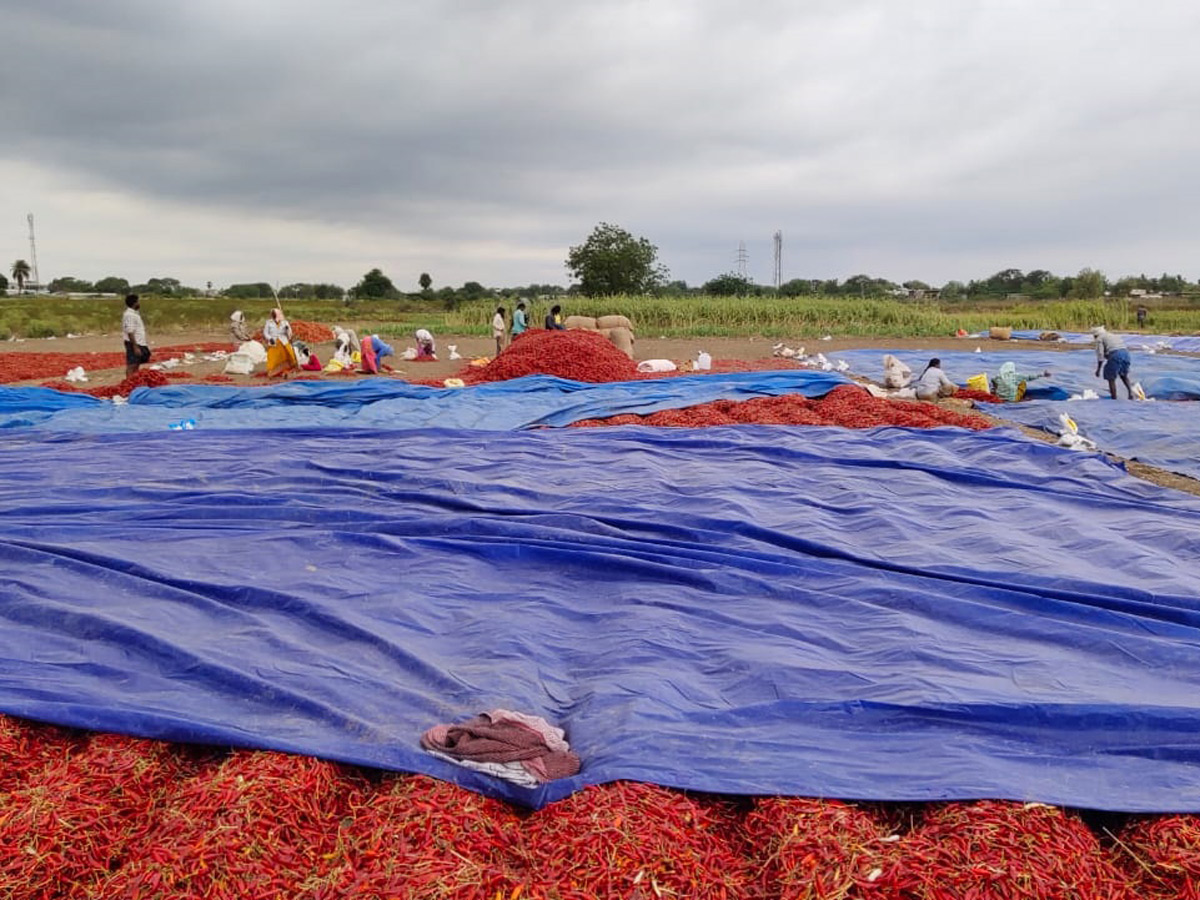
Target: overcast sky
x=299 y=140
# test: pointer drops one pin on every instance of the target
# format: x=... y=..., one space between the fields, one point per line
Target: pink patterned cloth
x=502 y=737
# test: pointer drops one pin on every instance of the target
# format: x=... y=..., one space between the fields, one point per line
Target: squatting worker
x=134 y=332
x=554 y=320
x=933 y=382
x=426 y=348
x=1009 y=384
x=519 y=325
x=498 y=328
x=1112 y=355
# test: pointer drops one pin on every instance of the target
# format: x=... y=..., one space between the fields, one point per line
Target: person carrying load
x=1009 y=384
x=933 y=382
x=1112 y=355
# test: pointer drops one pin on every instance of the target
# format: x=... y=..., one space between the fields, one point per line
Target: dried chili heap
x=80 y=817
x=260 y=824
x=846 y=405
x=999 y=850
x=634 y=840
x=1163 y=853
x=417 y=838
x=31 y=366
x=577 y=355
x=816 y=848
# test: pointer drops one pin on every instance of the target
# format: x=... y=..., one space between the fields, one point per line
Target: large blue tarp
x=815 y=611
x=1180 y=343
x=1072 y=371
x=535 y=401
x=1166 y=435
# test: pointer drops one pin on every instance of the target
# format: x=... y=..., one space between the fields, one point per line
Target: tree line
x=612 y=261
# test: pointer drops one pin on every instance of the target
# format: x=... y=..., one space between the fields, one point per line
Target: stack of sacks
x=618 y=329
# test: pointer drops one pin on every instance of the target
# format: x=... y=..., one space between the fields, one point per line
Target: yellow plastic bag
x=979 y=383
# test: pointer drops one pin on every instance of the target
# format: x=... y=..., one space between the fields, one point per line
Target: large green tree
x=67 y=284
x=112 y=285
x=730 y=284
x=20 y=273
x=425 y=281
x=376 y=284
x=612 y=261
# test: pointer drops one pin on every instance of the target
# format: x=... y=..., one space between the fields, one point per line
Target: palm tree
x=20 y=274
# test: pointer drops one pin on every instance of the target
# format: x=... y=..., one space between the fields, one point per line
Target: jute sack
x=614 y=322
x=1000 y=333
x=621 y=338
x=585 y=322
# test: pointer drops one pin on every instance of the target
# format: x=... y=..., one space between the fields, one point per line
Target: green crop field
x=689 y=316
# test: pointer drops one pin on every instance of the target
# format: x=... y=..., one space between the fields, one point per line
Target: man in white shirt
x=134 y=332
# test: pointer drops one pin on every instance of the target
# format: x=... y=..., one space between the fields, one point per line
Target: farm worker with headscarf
x=498 y=328
x=933 y=382
x=237 y=327
x=426 y=348
x=277 y=333
x=1009 y=384
x=1112 y=355
x=519 y=325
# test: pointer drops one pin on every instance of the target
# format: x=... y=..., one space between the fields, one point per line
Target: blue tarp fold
x=531 y=402
x=813 y=611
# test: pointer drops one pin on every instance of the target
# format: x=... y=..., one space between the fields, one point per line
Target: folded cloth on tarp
x=498 y=738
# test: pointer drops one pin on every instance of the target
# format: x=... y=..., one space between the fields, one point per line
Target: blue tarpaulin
x=1072 y=371
x=1166 y=435
x=1180 y=343
x=814 y=611
x=531 y=402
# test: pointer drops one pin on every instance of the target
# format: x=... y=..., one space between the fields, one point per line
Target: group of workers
x=520 y=323
x=284 y=353
x=1112 y=361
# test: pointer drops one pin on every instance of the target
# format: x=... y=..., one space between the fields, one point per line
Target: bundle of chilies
x=106 y=816
x=847 y=406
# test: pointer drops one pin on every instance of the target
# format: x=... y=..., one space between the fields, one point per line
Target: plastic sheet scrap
x=884 y=614
x=535 y=401
x=1073 y=371
x=1159 y=434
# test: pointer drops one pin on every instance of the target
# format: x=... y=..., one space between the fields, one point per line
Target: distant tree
x=328 y=291
x=425 y=281
x=20 y=273
x=1050 y=288
x=473 y=290
x=258 y=290
x=953 y=290
x=677 y=288
x=376 y=285
x=112 y=285
x=1087 y=285
x=915 y=285
x=612 y=261
x=730 y=284
x=163 y=286
x=866 y=286
x=3 y=282
x=69 y=285
x=1007 y=281
x=798 y=287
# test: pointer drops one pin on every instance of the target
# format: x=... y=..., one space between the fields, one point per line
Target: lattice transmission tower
x=37 y=281
x=742 y=258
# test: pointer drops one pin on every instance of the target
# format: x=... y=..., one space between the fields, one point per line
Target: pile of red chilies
x=103 y=816
x=29 y=366
x=847 y=406
x=309 y=332
x=577 y=355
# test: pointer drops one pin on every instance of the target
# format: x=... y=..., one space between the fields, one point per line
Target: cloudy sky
x=302 y=140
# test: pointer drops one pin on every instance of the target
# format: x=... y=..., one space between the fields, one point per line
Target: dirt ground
x=679 y=350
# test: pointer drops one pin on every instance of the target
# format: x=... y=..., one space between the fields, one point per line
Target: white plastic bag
x=703 y=361
x=896 y=374
x=239 y=364
x=656 y=365
x=253 y=349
